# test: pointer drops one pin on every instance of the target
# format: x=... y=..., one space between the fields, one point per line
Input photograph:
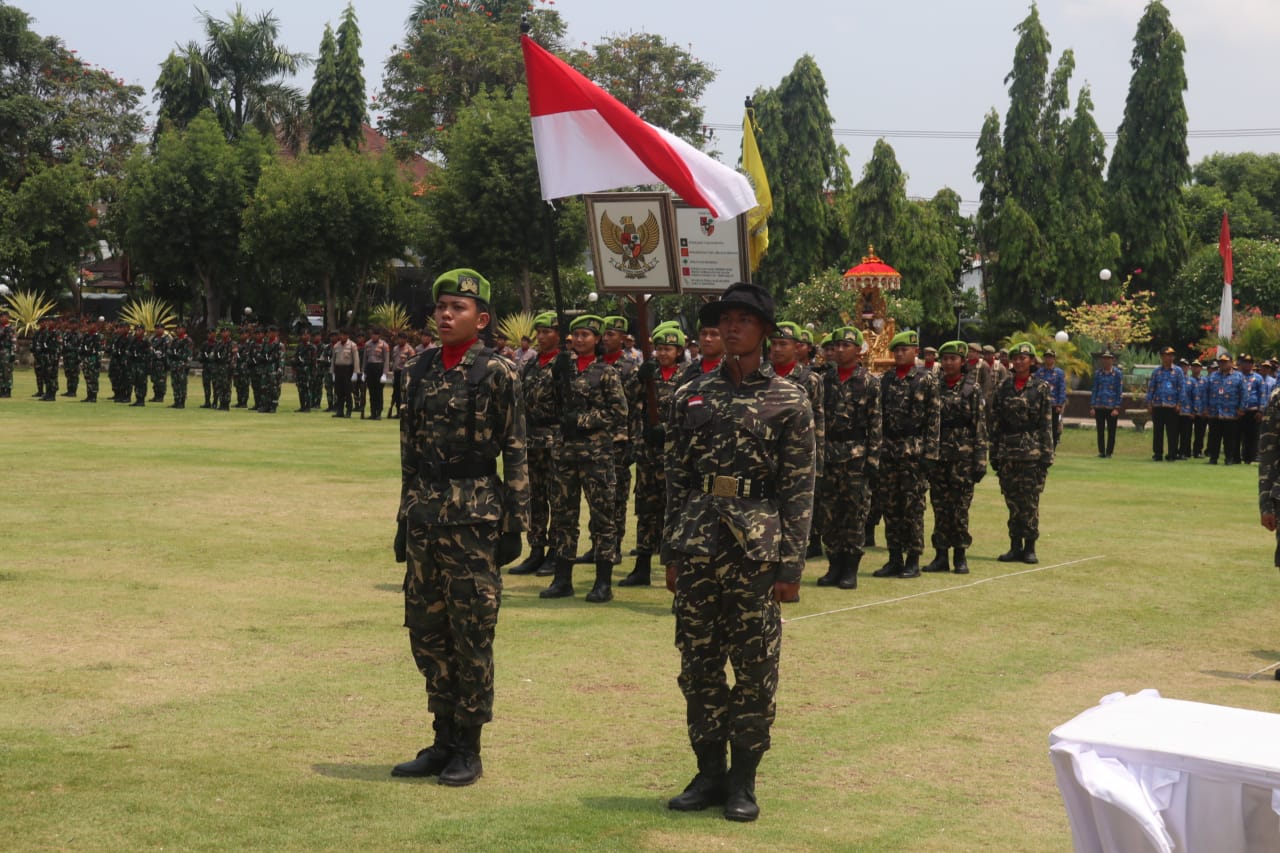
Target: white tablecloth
x=1144 y=773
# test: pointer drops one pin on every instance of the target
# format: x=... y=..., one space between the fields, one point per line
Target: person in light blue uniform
x=1052 y=375
x=1187 y=405
x=1164 y=390
x=1202 y=409
x=1224 y=407
x=1106 y=401
x=1253 y=406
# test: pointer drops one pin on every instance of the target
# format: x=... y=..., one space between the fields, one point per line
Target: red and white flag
x=587 y=141
x=1228 y=275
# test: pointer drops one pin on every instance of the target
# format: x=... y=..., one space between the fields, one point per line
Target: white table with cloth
x=1145 y=773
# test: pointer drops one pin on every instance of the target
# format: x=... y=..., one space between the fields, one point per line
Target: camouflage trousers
x=622 y=459
x=302 y=379
x=951 y=493
x=241 y=380
x=651 y=500
x=178 y=379
x=726 y=613
x=452 y=592
x=71 y=368
x=842 y=507
x=902 y=486
x=118 y=377
x=206 y=380
x=1021 y=484
x=328 y=389
x=138 y=378
x=221 y=381
x=542 y=492
x=6 y=375
x=92 y=369
x=46 y=375
x=316 y=387
x=579 y=474
x=158 y=381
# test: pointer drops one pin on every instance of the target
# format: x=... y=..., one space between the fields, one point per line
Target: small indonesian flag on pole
x=587 y=141
x=1228 y=275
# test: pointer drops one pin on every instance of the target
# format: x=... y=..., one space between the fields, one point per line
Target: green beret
x=786 y=330
x=907 y=338
x=806 y=335
x=461 y=282
x=546 y=320
x=1022 y=348
x=959 y=348
x=591 y=322
x=670 y=336
x=846 y=333
x=665 y=323
x=615 y=324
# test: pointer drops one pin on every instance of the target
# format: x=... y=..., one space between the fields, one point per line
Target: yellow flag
x=758 y=216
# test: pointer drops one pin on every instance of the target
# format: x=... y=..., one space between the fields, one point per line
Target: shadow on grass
x=361 y=772
x=389 y=587
x=635 y=805
x=514 y=598
x=1266 y=654
x=1239 y=676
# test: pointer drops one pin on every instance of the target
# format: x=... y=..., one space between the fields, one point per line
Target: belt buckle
x=724 y=487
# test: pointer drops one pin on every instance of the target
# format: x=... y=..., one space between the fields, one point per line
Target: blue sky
x=890 y=66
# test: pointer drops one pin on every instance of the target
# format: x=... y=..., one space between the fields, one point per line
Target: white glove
x=386 y=379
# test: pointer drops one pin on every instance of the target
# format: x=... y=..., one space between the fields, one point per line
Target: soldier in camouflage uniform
x=962 y=458
x=91 y=361
x=593 y=413
x=1020 y=428
x=662 y=373
x=321 y=371
x=325 y=366
x=158 y=366
x=8 y=354
x=851 y=407
x=910 y=411
x=118 y=367
x=458 y=522
x=784 y=355
x=304 y=366
x=242 y=368
x=139 y=361
x=224 y=356
x=1269 y=471
x=179 y=353
x=271 y=371
x=740 y=475
x=710 y=353
x=542 y=428
x=71 y=356
x=625 y=441
x=207 y=350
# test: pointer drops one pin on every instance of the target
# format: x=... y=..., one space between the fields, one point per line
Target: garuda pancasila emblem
x=631 y=244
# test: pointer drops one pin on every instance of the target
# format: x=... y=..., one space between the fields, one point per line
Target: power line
x=972 y=136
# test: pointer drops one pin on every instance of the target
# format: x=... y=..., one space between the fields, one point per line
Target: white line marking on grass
x=953 y=589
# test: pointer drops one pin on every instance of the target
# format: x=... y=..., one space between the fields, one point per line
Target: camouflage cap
x=462 y=282
x=1023 y=348
x=906 y=338
x=989 y=349
x=591 y=322
x=546 y=320
x=959 y=348
x=1106 y=353
x=1050 y=353
x=930 y=351
x=786 y=330
x=615 y=323
x=670 y=336
x=846 y=333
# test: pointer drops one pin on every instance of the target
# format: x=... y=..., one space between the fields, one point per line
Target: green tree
x=927 y=251
x=336 y=104
x=486 y=210
x=1149 y=166
x=1246 y=185
x=877 y=201
x=1024 y=163
x=1083 y=245
x=325 y=127
x=44 y=227
x=809 y=177
x=183 y=88
x=1188 y=306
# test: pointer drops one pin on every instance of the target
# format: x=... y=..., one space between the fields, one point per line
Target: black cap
x=748 y=297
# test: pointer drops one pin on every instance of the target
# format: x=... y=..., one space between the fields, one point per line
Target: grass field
x=201 y=649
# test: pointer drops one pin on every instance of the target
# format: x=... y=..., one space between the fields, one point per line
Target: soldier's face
x=709 y=342
x=847 y=354
x=904 y=356
x=548 y=339
x=612 y=340
x=1022 y=363
x=667 y=355
x=583 y=341
x=782 y=350
x=951 y=364
x=741 y=331
x=459 y=319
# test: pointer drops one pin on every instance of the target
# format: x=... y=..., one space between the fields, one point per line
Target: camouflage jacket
x=664 y=395
x=8 y=340
x=304 y=358
x=71 y=347
x=208 y=352
x=910 y=413
x=273 y=355
x=1020 y=423
x=742 y=456
x=852 y=413
x=1269 y=456
x=159 y=355
x=597 y=403
x=324 y=356
x=120 y=347
x=180 y=352
x=91 y=347
x=464 y=420
x=139 y=353
x=541 y=411
x=245 y=357
x=963 y=436
x=633 y=390
x=41 y=342
x=224 y=353
x=811 y=383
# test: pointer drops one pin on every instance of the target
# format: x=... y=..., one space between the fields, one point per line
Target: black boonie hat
x=748 y=297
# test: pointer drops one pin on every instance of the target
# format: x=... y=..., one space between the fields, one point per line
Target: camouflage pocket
x=486 y=601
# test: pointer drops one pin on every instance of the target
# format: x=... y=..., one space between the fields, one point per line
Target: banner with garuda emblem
x=633 y=242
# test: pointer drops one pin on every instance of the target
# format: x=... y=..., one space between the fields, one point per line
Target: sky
x=902 y=65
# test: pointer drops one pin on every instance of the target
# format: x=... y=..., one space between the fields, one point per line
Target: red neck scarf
x=585 y=361
x=845 y=372
x=545 y=358
x=784 y=369
x=902 y=371
x=612 y=358
x=1020 y=382
x=667 y=372
x=953 y=381
x=451 y=354
x=709 y=365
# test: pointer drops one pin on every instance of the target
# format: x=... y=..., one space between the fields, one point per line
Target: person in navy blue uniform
x=1105 y=402
x=1053 y=376
x=1164 y=390
x=1224 y=407
x=1253 y=406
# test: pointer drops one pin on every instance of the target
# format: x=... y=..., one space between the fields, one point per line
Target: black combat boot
x=602 y=591
x=562 y=584
x=815 y=546
x=464 y=766
x=960 y=566
x=530 y=563
x=1029 y=551
x=710 y=786
x=433 y=759
x=911 y=569
x=1014 y=553
x=225 y=407
x=849 y=574
x=547 y=568
x=939 y=563
x=891 y=569
x=641 y=574
x=139 y=402
x=741 y=805
x=588 y=557
x=835 y=570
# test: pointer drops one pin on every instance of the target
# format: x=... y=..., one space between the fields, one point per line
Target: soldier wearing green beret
x=962 y=458
x=593 y=413
x=626 y=440
x=458 y=522
x=784 y=355
x=710 y=352
x=851 y=405
x=1020 y=427
x=911 y=411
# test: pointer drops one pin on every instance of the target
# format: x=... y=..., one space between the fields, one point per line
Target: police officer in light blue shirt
x=1224 y=398
x=1164 y=391
x=1105 y=402
x=1053 y=376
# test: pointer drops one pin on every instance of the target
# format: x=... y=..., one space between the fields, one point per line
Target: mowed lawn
x=201 y=649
